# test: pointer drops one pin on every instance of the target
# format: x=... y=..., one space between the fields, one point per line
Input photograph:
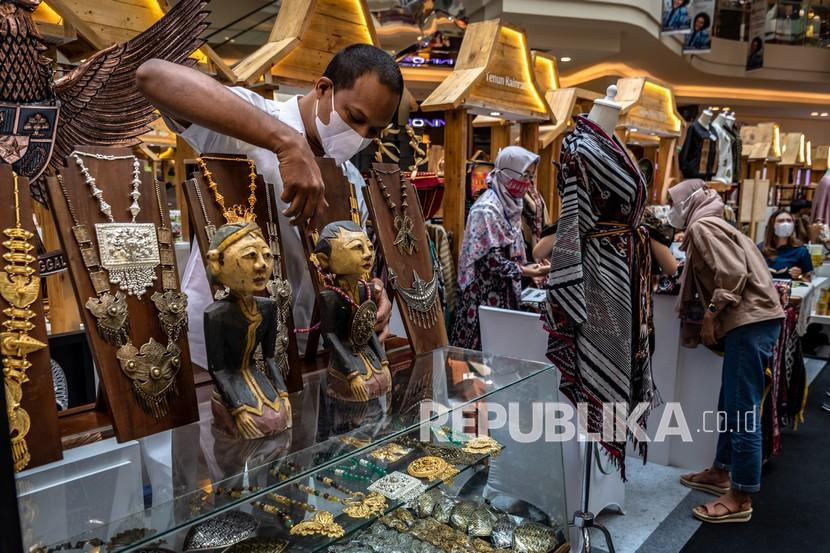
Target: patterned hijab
x=495 y=220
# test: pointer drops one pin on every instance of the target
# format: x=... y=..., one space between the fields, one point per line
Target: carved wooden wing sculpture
x=96 y=104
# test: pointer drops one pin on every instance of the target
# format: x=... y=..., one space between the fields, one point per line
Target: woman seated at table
x=785 y=255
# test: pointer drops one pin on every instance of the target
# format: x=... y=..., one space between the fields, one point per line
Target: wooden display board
x=43 y=440
x=422 y=339
x=130 y=420
x=820 y=155
x=494 y=76
x=650 y=108
x=232 y=176
x=793 y=150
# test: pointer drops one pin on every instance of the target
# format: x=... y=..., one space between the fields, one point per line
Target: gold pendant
x=153 y=371
x=323 y=524
x=432 y=468
x=363 y=325
x=365 y=506
x=111 y=317
x=130 y=254
x=483 y=445
x=172 y=308
x=405 y=239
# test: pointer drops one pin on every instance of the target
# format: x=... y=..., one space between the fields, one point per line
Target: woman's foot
x=731 y=507
x=713 y=481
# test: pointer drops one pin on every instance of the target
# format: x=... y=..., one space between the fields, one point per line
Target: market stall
x=493 y=76
x=792 y=169
x=761 y=152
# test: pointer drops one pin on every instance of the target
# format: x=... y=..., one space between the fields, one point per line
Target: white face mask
x=784 y=230
x=339 y=140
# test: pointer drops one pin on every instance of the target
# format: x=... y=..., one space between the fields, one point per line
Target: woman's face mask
x=679 y=212
x=518 y=187
x=339 y=140
x=784 y=229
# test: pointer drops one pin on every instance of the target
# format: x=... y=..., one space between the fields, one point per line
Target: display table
x=159 y=487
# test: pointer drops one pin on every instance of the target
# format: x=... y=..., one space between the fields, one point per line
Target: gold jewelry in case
x=432 y=468
x=390 y=452
x=259 y=545
x=322 y=524
x=483 y=445
x=365 y=506
x=20 y=288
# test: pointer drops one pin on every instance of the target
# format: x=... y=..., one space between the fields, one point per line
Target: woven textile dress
x=599 y=297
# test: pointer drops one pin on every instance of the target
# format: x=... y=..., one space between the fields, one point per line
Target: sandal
x=744 y=515
x=700 y=486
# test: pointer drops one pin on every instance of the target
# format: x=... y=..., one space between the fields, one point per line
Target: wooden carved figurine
x=252 y=401
x=358 y=368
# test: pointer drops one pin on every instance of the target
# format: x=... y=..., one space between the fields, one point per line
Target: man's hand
x=302 y=183
x=795 y=273
x=535 y=270
x=358 y=387
x=246 y=426
x=707 y=333
x=384 y=309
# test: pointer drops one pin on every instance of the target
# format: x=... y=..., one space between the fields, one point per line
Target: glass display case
x=453 y=459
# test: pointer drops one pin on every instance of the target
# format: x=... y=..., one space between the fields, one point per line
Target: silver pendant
x=221 y=531
x=130 y=254
x=279 y=289
x=421 y=300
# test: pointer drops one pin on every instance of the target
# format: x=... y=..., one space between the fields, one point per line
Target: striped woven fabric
x=599 y=297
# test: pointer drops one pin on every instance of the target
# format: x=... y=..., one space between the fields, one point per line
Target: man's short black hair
x=356 y=60
x=799 y=204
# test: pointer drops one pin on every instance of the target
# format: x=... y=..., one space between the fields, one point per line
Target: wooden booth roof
x=493 y=76
x=761 y=142
x=648 y=106
x=793 y=150
x=565 y=103
x=819 y=156
x=306 y=35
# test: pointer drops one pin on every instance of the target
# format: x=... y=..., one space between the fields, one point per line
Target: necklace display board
x=145 y=366
x=232 y=177
x=342 y=201
x=401 y=230
x=38 y=395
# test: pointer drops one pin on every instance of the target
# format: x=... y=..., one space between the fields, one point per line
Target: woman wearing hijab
x=493 y=261
x=726 y=276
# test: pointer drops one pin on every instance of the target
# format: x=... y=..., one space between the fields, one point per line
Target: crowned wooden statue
x=358 y=367
x=251 y=400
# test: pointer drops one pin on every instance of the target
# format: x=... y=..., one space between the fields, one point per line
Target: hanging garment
x=724 y=172
x=599 y=297
x=438 y=235
x=698 y=157
x=737 y=148
x=821 y=200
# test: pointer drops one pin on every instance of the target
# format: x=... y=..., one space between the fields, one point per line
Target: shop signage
x=699 y=40
x=432 y=122
x=757 y=29
x=51 y=263
x=505 y=80
x=420 y=61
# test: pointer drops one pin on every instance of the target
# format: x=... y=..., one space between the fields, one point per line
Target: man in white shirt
x=354 y=100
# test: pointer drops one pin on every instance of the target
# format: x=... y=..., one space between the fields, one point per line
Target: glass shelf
x=156 y=484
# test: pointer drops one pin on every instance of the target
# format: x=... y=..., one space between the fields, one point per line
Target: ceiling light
x=824 y=114
x=714 y=108
x=565 y=59
x=727 y=109
x=495 y=113
x=634 y=130
x=814 y=114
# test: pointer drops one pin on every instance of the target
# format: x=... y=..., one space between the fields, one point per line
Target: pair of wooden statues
x=242 y=329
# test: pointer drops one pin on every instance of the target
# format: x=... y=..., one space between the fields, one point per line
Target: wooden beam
x=184 y=153
x=529 y=136
x=456 y=134
x=662 y=177
x=545 y=181
x=65 y=10
x=499 y=138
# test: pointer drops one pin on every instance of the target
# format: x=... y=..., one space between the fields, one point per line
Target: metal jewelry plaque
x=130 y=254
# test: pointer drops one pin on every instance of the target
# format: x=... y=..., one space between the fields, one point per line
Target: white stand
x=527 y=339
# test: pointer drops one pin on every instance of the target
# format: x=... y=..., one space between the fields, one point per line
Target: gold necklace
x=236 y=212
x=20 y=287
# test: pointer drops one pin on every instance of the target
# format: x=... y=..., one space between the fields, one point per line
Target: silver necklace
x=128 y=251
x=279 y=289
x=421 y=299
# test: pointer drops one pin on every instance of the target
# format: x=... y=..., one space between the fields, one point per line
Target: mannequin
x=251 y=400
x=606 y=112
x=699 y=155
x=725 y=168
x=730 y=120
x=737 y=145
x=705 y=118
